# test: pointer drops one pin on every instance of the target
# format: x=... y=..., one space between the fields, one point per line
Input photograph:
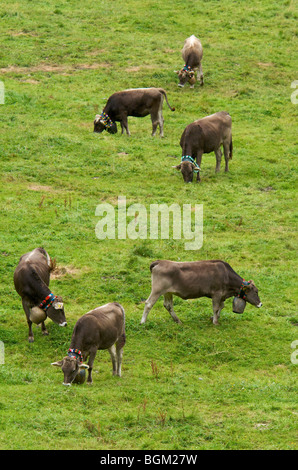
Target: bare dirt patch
x=40 y=187
x=61 y=271
x=137 y=68
x=63 y=68
x=265 y=64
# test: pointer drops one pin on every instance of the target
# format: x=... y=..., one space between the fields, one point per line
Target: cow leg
x=161 y=121
x=218 y=155
x=90 y=364
x=119 y=352
x=226 y=148
x=218 y=305
x=112 y=351
x=124 y=125
x=168 y=304
x=155 y=119
x=152 y=299
x=200 y=75
x=199 y=160
x=43 y=329
x=27 y=312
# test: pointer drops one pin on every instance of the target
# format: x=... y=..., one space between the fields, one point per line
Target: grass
x=189 y=386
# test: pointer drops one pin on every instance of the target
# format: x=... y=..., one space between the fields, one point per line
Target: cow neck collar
x=242 y=294
x=106 y=120
x=47 y=302
x=188 y=158
x=76 y=353
x=187 y=68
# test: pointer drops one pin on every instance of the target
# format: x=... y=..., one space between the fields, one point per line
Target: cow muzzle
x=181 y=85
x=67 y=385
x=259 y=305
x=63 y=323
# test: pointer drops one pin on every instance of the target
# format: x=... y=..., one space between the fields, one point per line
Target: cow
x=192 y=54
x=138 y=102
x=101 y=328
x=190 y=280
x=31 y=280
x=204 y=136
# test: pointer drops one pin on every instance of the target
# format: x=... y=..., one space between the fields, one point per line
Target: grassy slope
x=231 y=386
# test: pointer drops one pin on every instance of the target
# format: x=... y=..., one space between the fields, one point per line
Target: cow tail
x=122 y=339
x=165 y=95
x=231 y=150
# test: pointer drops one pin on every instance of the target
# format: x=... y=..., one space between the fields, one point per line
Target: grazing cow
x=190 y=280
x=101 y=328
x=137 y=102
x=204 y=136
x=31 y=280
x=192 y=54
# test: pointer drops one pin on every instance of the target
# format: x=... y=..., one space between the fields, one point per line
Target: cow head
x=71 y=368
x=56 y=312
x=187 y=167
x=103 y=122
x=250 y=293
x=186 y=75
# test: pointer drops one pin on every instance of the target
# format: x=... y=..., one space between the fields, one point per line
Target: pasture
x=187 y=386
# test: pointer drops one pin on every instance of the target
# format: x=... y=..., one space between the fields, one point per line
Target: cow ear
x=57 y=364
x=83 y=366
x=178 y=167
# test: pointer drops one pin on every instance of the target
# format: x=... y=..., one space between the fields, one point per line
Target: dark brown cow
x=138 y=102
x=101 y=328
x=190 y=280
x=192 y=54
x=204 y=136
x=31 y=280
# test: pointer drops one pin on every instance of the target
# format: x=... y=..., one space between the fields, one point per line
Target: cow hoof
x=31 y=339
x=45 y=333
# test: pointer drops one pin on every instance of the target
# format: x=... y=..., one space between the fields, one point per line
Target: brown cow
x=204 y=136
x=138 y=102
x=192 y=54
x=31 y=280
x=101 y=328
x=190 y=280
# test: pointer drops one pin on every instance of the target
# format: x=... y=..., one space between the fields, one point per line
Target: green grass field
x=188 y=386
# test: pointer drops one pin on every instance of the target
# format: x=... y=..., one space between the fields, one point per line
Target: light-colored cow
x=192 y=54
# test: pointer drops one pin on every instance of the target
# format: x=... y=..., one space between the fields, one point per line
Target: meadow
x=183 y=386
